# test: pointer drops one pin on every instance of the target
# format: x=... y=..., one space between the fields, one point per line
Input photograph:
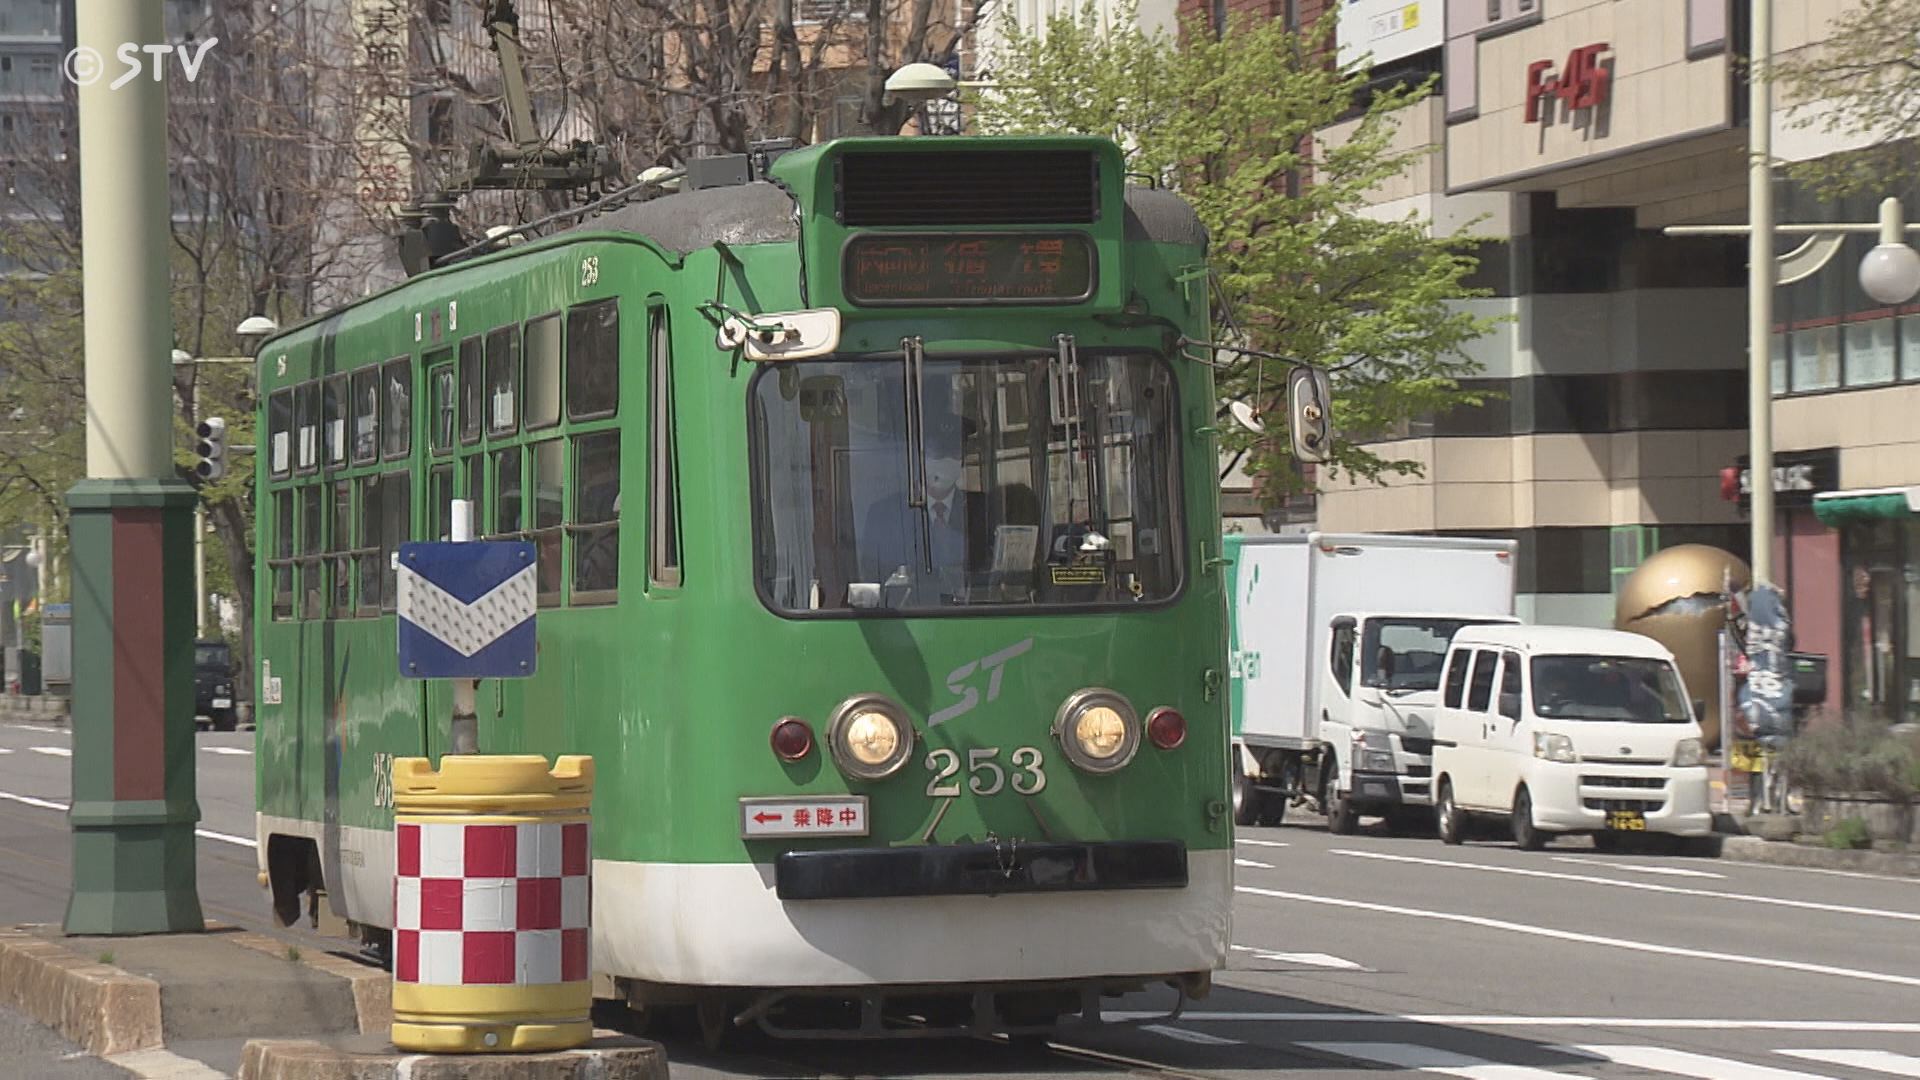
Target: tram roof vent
x=967 y=187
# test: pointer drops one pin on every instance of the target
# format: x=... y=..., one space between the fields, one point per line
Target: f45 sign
x=1582 y=82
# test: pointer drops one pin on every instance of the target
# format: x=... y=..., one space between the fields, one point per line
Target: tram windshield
x=1027 y=500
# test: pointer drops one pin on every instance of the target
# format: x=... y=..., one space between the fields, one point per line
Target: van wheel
x=1448 y=820
x=1524 y=833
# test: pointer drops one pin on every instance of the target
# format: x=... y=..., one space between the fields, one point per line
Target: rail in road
x=1352 y=955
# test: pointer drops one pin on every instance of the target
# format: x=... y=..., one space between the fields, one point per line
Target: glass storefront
x=1880 y=622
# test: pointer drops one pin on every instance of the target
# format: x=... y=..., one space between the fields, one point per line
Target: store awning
x=1876 y=504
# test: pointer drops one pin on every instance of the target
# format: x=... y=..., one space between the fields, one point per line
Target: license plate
x=222 y=703
x=1629 y=820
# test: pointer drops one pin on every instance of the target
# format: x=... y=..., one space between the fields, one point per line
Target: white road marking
x=46 y=728
x=1426 y=1059
x=1668 y=871
x=1884 y=1061
x=231 y=750
x=1190 y=1036
x=53 y=751
x=1589 y=939
x=1658 y=1023
x=1261 y=843
x=1682 y=1063
x=1643 y=886
x=31 y=801
x=5 y=750
x=47 y=804
x=1823 y=870
x=1255 y=865
x=1314 y=959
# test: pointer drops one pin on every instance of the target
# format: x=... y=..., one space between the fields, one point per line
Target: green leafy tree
x=1861 y=83
x=1271 y=145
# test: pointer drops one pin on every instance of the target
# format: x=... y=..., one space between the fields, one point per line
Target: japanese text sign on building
x=1583 y=82
x=466 y=610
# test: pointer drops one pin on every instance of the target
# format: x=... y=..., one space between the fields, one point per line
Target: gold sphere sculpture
x=1678 y=598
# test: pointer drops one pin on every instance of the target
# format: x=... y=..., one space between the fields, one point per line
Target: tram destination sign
x=972 y=268
x=466 y=610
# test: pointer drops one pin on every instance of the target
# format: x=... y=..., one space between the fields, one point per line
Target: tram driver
x=895 y=551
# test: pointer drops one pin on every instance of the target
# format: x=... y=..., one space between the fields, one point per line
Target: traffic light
x=1309 y=406
x=212 y=448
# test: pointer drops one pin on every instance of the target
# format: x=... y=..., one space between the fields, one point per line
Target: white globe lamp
x=1891 y=271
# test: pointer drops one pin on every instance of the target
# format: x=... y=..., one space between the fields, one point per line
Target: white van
x=1563 y=729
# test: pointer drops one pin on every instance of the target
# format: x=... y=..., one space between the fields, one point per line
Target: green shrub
x=1861 y=755
x=1849 y=834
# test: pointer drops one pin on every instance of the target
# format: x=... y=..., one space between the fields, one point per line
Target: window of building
x=663 y=480
x=1815 y=354
x=1881 y=617
x=342 y=547
x=596 y=516
x=549 y=516
x=471 y=362
x=396 y=419
x=506 y=493
x=503 y=381
x=443 y=406
x=543 y=372
x=366 y=415
x=1871 y=356
x=593 y=360
x=333 y=419
x=279 y=428
x=1910 y=346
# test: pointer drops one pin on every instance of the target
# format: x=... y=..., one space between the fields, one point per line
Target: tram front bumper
x=980 y=869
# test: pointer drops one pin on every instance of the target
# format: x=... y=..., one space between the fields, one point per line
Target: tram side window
x=366 y=556
x=306 y=421
x=549 y=488
x=442 y=404
x=279 y=424
x=663 y=481
x=543 y=372
x=313 y=576
x=395 y=529
x=366 y=415
x=593 y=360
x=440 y=491
x=333 y=418
x=340 y=547
x=471 y=361
x=506 y=492
x=596 y=511
x=503 y=381
x=397 y=421
x=282 y=555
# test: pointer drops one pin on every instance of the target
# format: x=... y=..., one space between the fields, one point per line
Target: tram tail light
x=792 y=739
x=1166 y=728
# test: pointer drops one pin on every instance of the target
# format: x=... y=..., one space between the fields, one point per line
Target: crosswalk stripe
x=1884 y=1061
x=1260 y=843
x=53 y=751
x=1196 y=1037
x=5 y=750
x=1429 y=1060
x=1683 y=1063
x=1255 y=865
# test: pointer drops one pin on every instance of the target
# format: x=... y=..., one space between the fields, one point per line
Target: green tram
x=878 y=571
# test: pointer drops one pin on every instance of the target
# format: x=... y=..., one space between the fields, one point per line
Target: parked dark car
x=213 y=685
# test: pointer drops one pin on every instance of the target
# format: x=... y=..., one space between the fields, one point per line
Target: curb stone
x=610 y=1057
x=1752 y=849
x=372 y=987
x=94 y=1005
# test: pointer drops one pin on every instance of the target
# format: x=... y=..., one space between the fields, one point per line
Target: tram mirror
x=781 y=335
x=1310 y=414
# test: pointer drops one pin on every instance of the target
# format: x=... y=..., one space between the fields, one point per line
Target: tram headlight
x=1098 y=730
x=870 y=737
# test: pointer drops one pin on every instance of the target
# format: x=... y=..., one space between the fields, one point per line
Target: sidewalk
x=1776 y=839
x=38 y=709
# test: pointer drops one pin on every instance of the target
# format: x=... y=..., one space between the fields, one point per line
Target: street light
x=922 y=84
x=1891 y=271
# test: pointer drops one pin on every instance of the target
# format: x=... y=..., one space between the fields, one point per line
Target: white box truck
x=1337 y=642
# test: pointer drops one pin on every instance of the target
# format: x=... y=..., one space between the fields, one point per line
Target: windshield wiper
x=913 y=356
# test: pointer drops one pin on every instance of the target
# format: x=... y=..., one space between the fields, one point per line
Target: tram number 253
x=985 y=775
x=383 y=780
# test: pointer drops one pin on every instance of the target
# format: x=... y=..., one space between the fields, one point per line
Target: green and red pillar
x=134 y=809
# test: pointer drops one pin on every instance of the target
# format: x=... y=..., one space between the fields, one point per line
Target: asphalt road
x=1352 y=955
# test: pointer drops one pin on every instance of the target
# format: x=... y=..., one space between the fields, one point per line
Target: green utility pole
x=134 y=808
